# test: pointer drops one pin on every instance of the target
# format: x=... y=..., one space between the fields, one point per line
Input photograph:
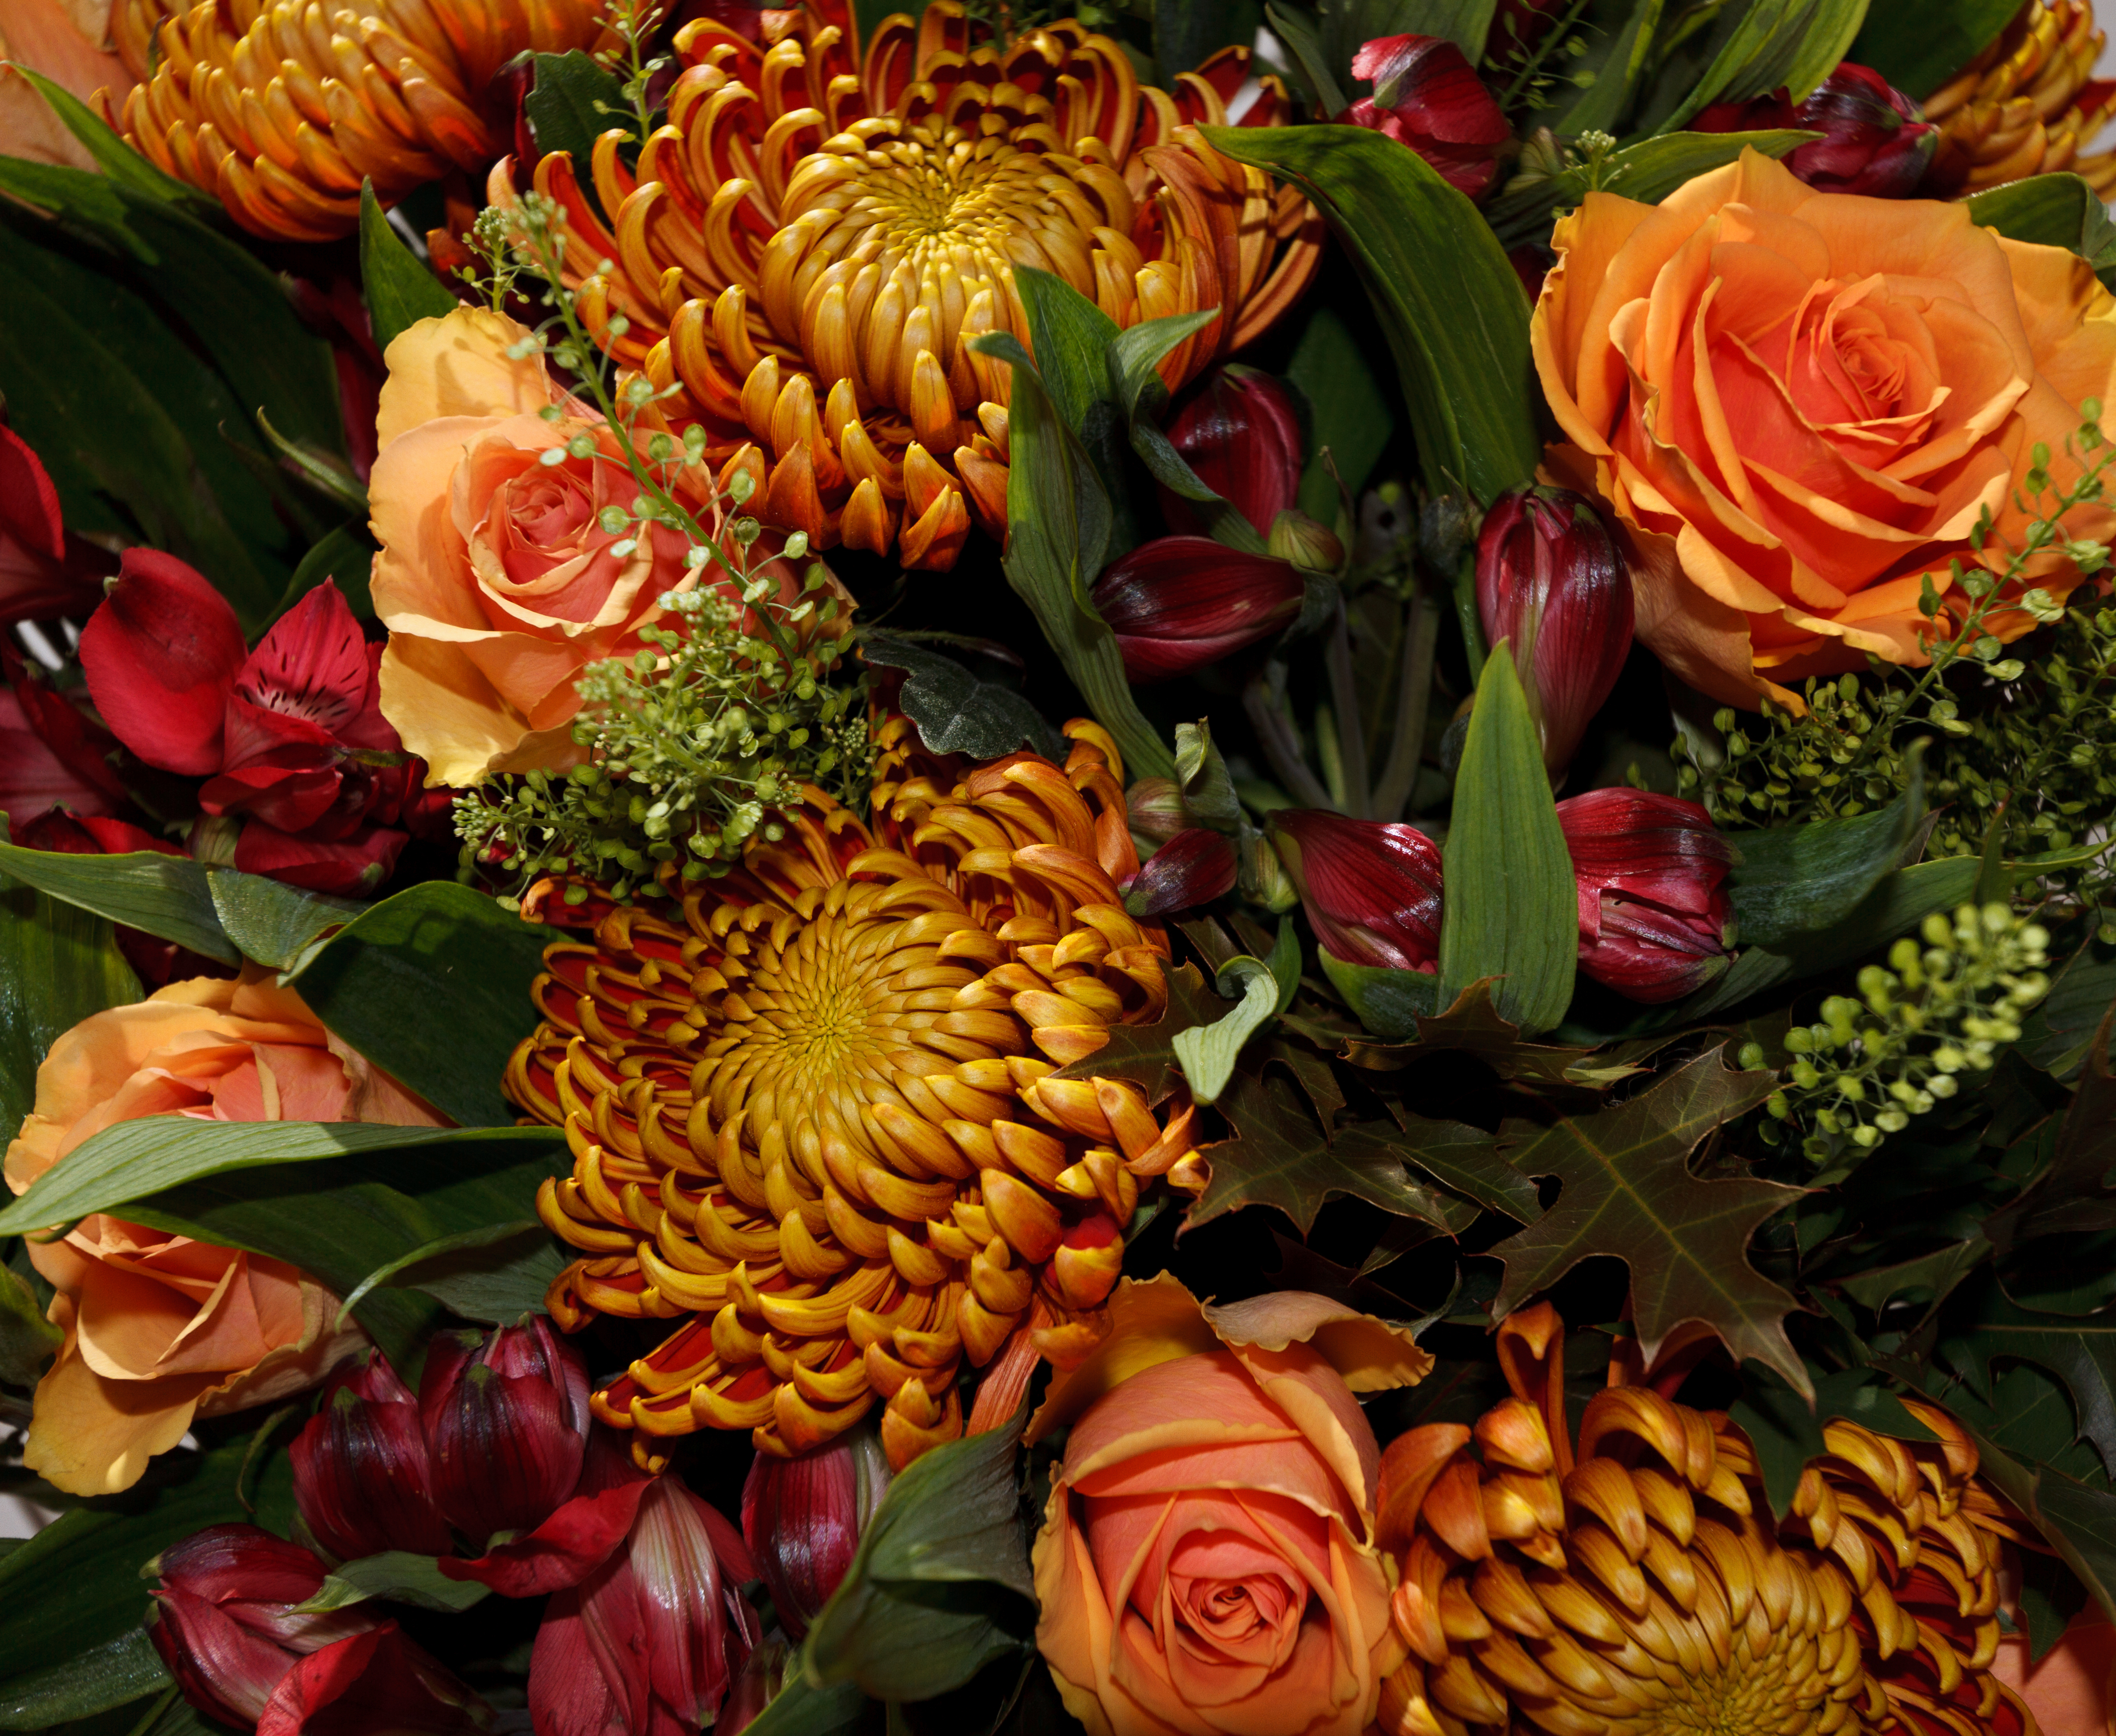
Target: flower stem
x=1276 y=737
x=1465 y=612
x=1344 y=702
x=1413 y=697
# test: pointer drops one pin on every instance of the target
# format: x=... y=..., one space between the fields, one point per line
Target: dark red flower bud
x=1550 y=579
x=1240 y=434
x=223 y=1620
x=1429 y=98
x=1193 y=868
x=801 y=1518
x=506 y=1417
x=376 y=1683
x=1655 y=921
x=1371 y=889
x=360 y=1477
x=1875 y=140
x=1179 y=603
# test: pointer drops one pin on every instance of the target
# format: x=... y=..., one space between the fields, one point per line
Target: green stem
x=1414 y=699
x=1344 y=702
x=1466 y=614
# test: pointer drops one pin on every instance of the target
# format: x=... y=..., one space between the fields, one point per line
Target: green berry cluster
x=1940 y=1009
x=694 y=744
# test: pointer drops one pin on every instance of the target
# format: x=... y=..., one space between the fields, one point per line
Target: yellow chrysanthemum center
x=816 y=1109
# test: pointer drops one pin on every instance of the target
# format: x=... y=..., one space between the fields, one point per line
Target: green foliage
x=58 y=964
x=1942 y=1011
x=1918 y=47
x=956 y=712
x=398 y=289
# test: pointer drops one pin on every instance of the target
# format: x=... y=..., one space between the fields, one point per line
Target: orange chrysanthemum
x=2029 y=104
x=1634 y=1584
x=813 y=1111
x=279 y=108
x=807 y=249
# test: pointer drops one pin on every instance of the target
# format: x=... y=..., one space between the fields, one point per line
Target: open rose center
x=550 y=511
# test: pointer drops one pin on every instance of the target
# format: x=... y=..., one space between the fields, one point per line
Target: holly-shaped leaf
x=1279 y=1155
x=1144 y=1055
x=1628 y=1191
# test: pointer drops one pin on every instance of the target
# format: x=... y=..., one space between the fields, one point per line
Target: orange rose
x=496 y=578
x=1206 y=1563
x=1798 y=404
x=159 y=1328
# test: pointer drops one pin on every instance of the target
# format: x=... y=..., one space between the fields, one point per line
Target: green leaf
x=1627 y=1191
x=136 y=1161
x=1059 y=523
x=112 y=156
x=494 y=1275
x=110 y=1674
x=1314 y=66
x=1753 y=47
x=27 y=1339
x=2054 y=211
x=1474 y=1025
x=1144 y=1055
x=58 y=964
x=1278 y=1156
x=2081 y=1353
x=1468 y=1161
x=940 y=1583
x=956 y=712
x=1512 y=909
x=1350 y=415
x=395 y=1575
x=399 y=288
x=270 y=922
x=2057 y=1034
x=1647 y=170
x=1787 y=1427
x=432 y=986
x=166 y=896
x=1455 y=313
x=2072 y=1195
x=563 y=107
x=345 y=555
x=1388 y=1002
x=1344 y=24
x=2078 y=1520
x=1620 y=52
x=800 y=1708
x=81 y=1574
x=1207 y=1053
x=1918 y=48
x=1792 y=882
x=1186 y=34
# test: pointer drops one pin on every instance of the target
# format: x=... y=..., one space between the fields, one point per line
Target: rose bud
x=1193 y=868
x=801 y=1518
x=1550 y=579
x=1179 y=603
x=1371 y=889
x=1240 y=434
x=1875 y=140
x=222 y=1617
x=506 y=1418
x=1428 y=98
x=360 y=1477
x=1655 y=921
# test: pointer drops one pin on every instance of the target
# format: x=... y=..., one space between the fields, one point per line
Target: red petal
x=310 y=670
x=357 y=863
x=161 y=656
x=562 y=1551
x=573 y=1681
x=372 y=1683
x=29 y=501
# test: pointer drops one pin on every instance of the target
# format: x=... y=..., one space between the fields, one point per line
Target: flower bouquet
x=1209 y=870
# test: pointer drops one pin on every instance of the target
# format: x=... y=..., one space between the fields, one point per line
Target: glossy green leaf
x=270 y=922
x=395 y=1575
x=493 y=1275
x=113 y=1673
x=399 y=288
x=1749 y=49
x=344 y=555
x=2054 y=211
x=940 y=1583
x=168 y=896
x=81 y=1574
x=2057 y=1033
x=1785 y=1427
x=1350 y=414
x=567 y=108
x=58 y=964
x=1512 y=909
x=432 y=986
x=800 y=1708
x=1620 y=42
x=1312 y=71
x=1454 y=312
x=28 y=1340
x=139 y=1159
x=956 y=712
x=1919 y=47
x=2076 y=1519
x=1795 y=881
x=1389 y=1002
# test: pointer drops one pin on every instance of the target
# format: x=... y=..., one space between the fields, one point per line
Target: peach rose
x=496 y=579
x=160 y=1328
x=1798 y=404
x=1205 y=1566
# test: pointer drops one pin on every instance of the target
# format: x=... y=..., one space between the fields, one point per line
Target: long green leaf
x=1793 y=881
x=2054 y=210
x=1648 y=171
x=113 y=1673
x=1454 y=312
x=399 y=290
x=139 y=1159
x=113 y=155
x=166 y=895
x=432 y=986
x=1512 y=910
x=1917 y=48
x=1620 y=46
x=58 y=964
x=1351 y=418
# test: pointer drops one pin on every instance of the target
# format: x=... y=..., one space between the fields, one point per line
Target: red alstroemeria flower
x=1655 y=918
x=506 y=1421
x=1371 y=888
x=361 y=1480
x=1179 y=603
x=50 y=752
x=290 y=737
x=43 y=573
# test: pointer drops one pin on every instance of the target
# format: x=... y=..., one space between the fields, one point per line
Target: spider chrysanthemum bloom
x=807 y=248
x=2029 y=104
x=812 y=1112
x=1634 y=1583
x=280 y=108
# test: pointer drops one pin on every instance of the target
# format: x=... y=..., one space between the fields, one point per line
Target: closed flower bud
x=1297 y=538
x=224 y=1618
x=1371 y=889
x=1262 y=875
x=506 y=1417
x=801 y=1518
x=1240 y=433
x=1179 y=603
x=361 y=1477
x=1427 y=97
x=1655 y=920
x=1875 y=140
x=1550 y=580
x=1193 y=868
x=1154 y=809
